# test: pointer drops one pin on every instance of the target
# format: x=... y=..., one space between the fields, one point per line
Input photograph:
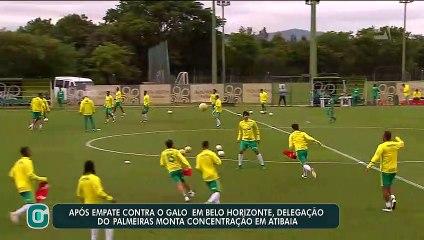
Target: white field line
x=338 y=152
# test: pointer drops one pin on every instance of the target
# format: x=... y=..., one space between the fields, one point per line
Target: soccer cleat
x=191 y=194
x=394 y=203
x=304 y=176
x=46 y=119
x=314 y=174
x=14 y=218
x=31 y=127
x=387 y=209
x=186 y=199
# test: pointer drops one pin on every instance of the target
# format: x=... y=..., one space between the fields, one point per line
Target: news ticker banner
x=189 y=216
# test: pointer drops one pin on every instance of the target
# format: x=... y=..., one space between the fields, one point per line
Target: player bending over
x=23 y=175
x=108 y=107
x=37 y=106
x=249 y=137
x=205 y=163
x=387 y=154
x=217 y=111
x=118 y=102
x=298 y=141
x=146 y=106
x=174 y=162
x=263 y=97
x=90 y=191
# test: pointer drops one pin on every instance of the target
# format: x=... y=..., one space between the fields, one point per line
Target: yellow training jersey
x=46 y=107
x=22 y=173
x=387 y=154
x=298 y=140
x=212 y=98
x=416 y=94
x=205 y=162
x=248 y=131
x=118 y=96
x=146 y=100
x=90 y=189
x=87 y=107
x=263 y=96
x=218 y=106
x=173 y=160
x=406 y=90
x=37 y=104
x=109 y=101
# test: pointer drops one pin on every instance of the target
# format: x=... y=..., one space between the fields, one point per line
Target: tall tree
x=38 y=26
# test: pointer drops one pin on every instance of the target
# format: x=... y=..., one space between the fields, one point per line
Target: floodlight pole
x=223 y=4
x=405 y=2
x=313 y=40
x=214 y=64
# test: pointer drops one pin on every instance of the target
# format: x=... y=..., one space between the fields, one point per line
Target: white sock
x=145 y=116
x=261 y=159
x=307 y=168
x=94 y=233
x=214 y=197
x=392 y=197
x=22 y=210
x=218 y=122
x=109 y=234
x=240 y=159
x=388 y=204
x=305 y=173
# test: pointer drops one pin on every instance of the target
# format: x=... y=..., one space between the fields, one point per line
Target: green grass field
x=59 y=151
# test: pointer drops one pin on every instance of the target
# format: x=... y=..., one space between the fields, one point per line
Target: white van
x=70 y=82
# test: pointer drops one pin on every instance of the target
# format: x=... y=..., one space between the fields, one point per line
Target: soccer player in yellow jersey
x=108 y=107
x=87 y=109
x=212 y=98
x=46 y=109
x=90 y=191
x=23 y=176
x=37 y=106
x=263 y=97
x=217 y=111
x=146 y=106
x=174 y=162
x=387 y=154
x=406 y=92
x=249 y=137
x=118 y=102
x=298 y=141
x=205 y=163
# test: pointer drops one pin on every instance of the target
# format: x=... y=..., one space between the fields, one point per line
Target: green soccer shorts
x=108 y=110
x=118 y=104
x=249 y=144
x=387 y=179
x=36 y=115
x=177 y=176
x=214 y=186
x=302 y=156
x=145 y=109
x=27 y=196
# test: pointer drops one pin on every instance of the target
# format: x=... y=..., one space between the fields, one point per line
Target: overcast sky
x=274 y=15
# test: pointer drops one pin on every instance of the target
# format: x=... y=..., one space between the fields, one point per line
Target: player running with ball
x=174 y=162
x=387 y=154
x=298 y=141
x=249 y=137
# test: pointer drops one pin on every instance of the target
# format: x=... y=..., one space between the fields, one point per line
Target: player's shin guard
x=214 y=198
x=261 y=159
x=22 y=210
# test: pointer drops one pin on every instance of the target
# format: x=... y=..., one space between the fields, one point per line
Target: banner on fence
x=202 y=92
x=180 y=94
x=251 y=92
x=159 y=93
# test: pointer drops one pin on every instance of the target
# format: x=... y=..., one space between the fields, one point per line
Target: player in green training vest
x=356 y=97
x=374 y=94
x=60 y=97
x=330 y=109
